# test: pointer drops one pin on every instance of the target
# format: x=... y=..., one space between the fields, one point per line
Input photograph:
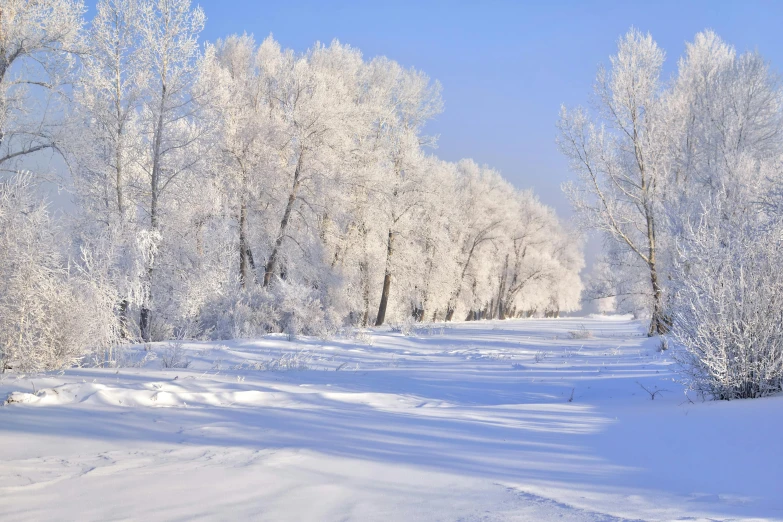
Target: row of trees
x=683 y=179
x=237 y=188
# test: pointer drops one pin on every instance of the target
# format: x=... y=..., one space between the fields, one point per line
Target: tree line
x=235 y=188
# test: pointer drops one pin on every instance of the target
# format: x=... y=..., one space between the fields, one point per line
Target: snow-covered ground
x=511 y=420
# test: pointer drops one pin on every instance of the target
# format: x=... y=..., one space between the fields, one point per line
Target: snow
x=499 y=420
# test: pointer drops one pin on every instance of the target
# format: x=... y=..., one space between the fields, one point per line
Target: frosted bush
x=302 y=311
x=405 y=327
x=283 y=307
x=580 y=333
x=240 y=314
x=173 y=356
x=729 y=312
x=53 y=312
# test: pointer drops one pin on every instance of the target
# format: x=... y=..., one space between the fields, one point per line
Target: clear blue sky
x=505 y=66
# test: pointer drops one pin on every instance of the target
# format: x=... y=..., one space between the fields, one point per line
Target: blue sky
x=505 y=66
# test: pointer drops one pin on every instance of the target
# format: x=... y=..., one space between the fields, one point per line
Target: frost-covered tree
x=412 y=101
x=169 y=32
x=239 y=74
x=541 y=263
x=106 y=153
x=109 y=96
x=727 y=119
x=480 y=197
x=620 y=157
x=38 y=39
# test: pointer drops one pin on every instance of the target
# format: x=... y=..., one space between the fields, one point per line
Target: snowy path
x=468 y=422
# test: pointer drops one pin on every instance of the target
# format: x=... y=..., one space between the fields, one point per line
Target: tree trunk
x=455 y=296
x=364 y=270
x=501 y=290
x=123 y=317
x=658 y=323
x=386 y=281
x=271 y=264
x=246 y=263
x=425 y=301
x=145 y=312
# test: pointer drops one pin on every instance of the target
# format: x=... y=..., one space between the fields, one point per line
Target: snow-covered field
x=511 y=420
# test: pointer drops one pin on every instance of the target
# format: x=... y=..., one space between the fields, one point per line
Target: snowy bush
x=302 y=311
x=405 y=327
x=363 y=337
x=173 y=356
x=240 y=314
x=52 y=312
x=729 y=312
x=580 y=333
x=290 y=308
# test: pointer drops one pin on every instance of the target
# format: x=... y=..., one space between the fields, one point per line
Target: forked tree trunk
x=271 y=264
x=455 y=296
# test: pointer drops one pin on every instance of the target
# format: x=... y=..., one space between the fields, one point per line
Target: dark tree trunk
x=501 y=289
x=144 y=323
x=659 y=323
x=386 y=282
x=363 y=268
x=271 y=264
x=123 y=317
x=246 y=263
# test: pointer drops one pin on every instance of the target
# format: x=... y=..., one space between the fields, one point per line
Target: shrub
x=728 y=313
x=53 y=312
x=173 y=356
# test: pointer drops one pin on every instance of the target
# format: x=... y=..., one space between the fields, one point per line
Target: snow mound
x=151 y=395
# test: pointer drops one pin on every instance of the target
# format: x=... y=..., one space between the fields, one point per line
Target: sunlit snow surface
x=507 y=420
